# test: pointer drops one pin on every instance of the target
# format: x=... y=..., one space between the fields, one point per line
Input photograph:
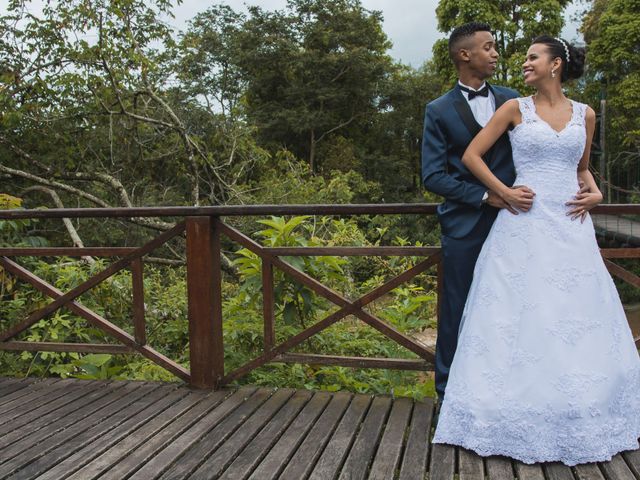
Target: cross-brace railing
x=204 y=229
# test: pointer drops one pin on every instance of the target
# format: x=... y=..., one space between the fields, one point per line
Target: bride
x=546 y=368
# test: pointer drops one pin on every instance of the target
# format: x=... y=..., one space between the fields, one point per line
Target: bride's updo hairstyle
x=572 y=57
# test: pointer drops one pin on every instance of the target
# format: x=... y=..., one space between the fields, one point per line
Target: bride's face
x=539 y=64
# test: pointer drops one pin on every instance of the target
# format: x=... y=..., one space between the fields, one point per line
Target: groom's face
x=480 y=54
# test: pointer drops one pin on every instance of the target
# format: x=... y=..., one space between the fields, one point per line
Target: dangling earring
x=553 y=74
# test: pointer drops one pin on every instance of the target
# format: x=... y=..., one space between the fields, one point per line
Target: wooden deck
x=58 y=429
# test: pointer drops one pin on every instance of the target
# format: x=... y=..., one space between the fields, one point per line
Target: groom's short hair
x=462 y=33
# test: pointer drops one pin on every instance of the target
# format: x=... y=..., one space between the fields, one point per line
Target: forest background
x=103 y=104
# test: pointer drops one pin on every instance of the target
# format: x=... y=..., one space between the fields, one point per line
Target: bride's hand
x=582 y=203
x=519 y=197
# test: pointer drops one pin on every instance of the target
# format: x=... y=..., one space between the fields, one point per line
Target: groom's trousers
x=459 y=257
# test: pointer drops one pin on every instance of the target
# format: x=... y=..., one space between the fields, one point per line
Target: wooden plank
x=253 y=454
x=66 y=251
x=470 y=465
x=258 y=210
x=66 y=347
x=261 y=210
x=209 y=443
x=16 y=445
x=302 y=463
x=388 y=456
x=20 y=389
x=617 y=469
x=588 y=471
x=223 y=456
x=557 y=471
x=389 y=251
x=355 y=362
x=63 y=464
x=268 y=300
x=528 y=472
x=633 y=461
x=11 y=385
x=623 y=274
x=58 y=419
x=337 y=449
x=55 y=464
x=620 y=252
x=499 y=468
x=137 y=290
x=363 y=449
x=33 y=391
x=189 y=438
x=121 y=449
x=443 y=462
x=416 y=451
x=206 y=352
x=167 y=436
x=22 y=463
x=42 y=402
x=277 y=458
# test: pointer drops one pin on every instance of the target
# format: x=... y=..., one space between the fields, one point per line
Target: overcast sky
x=410 y=24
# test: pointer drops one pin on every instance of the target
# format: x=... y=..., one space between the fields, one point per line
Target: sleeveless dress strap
x=579 y=113
x=527 y=109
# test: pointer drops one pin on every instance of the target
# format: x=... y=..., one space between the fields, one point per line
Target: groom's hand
x=496 y=201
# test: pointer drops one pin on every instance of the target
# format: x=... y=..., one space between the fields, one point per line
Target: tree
x=612 y=30
x=514 y=22
x=92 y=109
x=313 y=70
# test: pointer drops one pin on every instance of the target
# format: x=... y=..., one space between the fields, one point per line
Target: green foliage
x=613 y=31
x=409 y=308
x=514 y=22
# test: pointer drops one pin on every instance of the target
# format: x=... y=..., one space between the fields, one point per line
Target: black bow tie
x=483 y=92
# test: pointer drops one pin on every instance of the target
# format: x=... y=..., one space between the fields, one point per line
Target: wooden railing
x=203 y=228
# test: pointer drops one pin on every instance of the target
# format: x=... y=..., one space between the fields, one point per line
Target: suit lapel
x=462 y=107
x=500 y=99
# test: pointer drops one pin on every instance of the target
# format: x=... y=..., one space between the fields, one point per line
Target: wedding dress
x=546 y=368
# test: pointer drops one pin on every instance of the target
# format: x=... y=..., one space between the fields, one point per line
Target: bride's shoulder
x=512 y=105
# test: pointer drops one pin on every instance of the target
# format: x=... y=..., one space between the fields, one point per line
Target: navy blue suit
x=449 y=127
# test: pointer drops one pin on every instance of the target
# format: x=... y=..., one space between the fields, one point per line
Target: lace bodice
x=537 y=147
x=546 y=160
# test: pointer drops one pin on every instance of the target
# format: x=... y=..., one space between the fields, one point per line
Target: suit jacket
x=449 y=127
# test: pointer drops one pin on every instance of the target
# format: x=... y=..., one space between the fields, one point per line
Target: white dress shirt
x=482 y=108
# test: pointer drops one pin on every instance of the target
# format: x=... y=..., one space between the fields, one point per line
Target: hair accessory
x=566 y=48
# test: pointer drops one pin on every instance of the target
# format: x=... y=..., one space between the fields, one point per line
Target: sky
x=410 y=24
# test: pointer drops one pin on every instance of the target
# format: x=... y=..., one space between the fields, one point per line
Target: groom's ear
x=463 y=55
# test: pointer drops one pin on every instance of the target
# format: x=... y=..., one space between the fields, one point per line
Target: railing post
x=137 y=279
x=267 y=305
x=204 y=279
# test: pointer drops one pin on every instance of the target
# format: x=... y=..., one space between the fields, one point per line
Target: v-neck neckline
x=557 y=132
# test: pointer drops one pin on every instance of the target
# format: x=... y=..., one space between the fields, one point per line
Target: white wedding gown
x=546 y=368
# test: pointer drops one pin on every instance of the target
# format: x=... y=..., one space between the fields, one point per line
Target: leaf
x=289 y=314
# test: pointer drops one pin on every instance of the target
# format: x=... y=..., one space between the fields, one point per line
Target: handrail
x=250 y=210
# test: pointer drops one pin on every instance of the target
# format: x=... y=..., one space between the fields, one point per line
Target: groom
x=469 y=209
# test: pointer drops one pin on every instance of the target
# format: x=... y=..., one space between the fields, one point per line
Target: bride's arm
x=508 y=114
x=588 y=199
